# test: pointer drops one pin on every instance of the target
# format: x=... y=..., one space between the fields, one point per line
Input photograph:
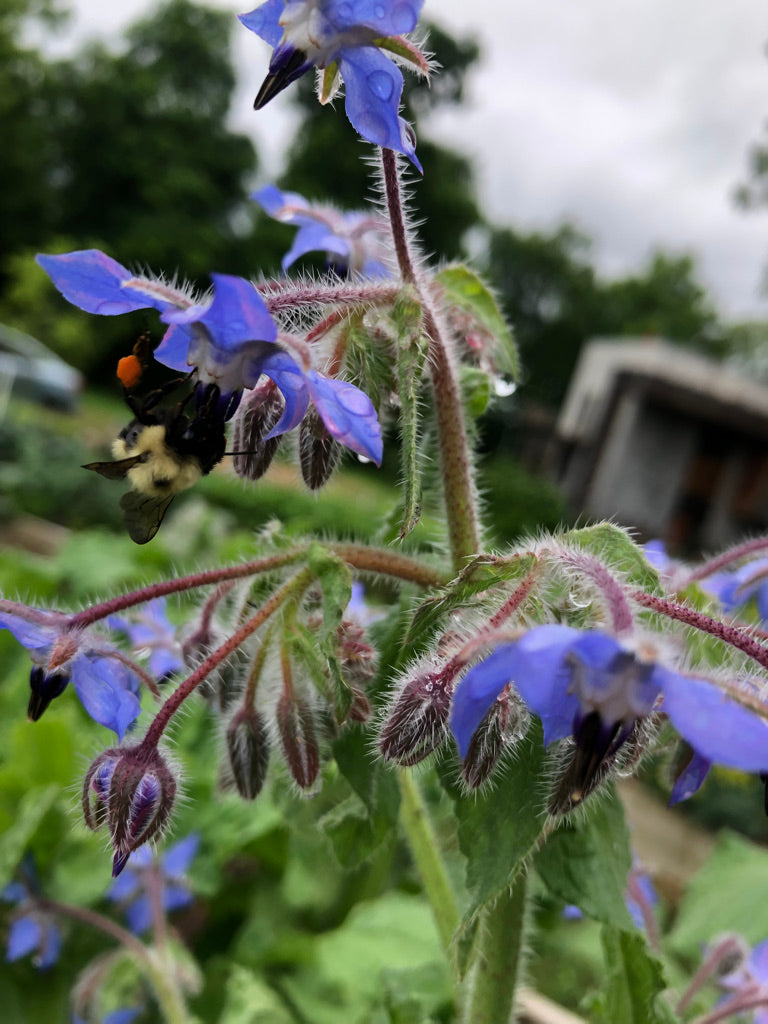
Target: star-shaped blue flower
x=33 y=931
x=107 y=688
x=347 y=38
x=151 y=631
x=589 y=685
x=133 y=889
x=353 y=242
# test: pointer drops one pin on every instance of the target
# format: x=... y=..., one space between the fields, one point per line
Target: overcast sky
x=630 y=118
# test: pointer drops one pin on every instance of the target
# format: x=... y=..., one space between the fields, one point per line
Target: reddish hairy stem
x=177 y=698
x=606 y=582
x=348 y=295
x=397 y=215
x=727 y=948
x=357 y=555
x=515 y=599
x=98 y=921
x=734 y=554
x=731 y=635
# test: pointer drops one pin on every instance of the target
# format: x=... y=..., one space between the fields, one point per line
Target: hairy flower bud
x=132 y=790
x=248 y=750
x=257 y=414
x=45 y=687
x=298 y=738
x=417 y=722
x=494 y=735
x=357 y=656
x=318 y=452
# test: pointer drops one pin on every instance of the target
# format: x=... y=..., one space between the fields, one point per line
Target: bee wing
x=116 y=470
x=143 y=515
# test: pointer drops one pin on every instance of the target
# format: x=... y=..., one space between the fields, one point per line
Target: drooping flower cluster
x=347 y=41
x=229 y=339
x=593 y=687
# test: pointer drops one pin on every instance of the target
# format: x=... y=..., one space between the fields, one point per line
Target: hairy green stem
x=498 y=957
x=426 y=852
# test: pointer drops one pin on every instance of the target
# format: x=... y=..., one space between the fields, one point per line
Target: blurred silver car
x=29 y=370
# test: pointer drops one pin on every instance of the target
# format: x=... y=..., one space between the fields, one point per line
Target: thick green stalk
x=498 y=957
x=426 y=852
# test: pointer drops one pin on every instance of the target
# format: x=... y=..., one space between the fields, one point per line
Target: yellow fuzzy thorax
x=162 y=473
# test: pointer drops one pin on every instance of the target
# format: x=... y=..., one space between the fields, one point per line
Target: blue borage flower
x=150 y=631
x=134 y=888
x=353 y=242
x=33 y=930
x=123 y=1015
x=346 y=38
x=230 y=340
x=589 y=685
x=108 y=689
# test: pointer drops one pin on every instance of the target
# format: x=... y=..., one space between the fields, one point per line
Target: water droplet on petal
x=381 y=84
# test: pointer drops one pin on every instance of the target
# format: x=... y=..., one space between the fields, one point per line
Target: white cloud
x=630 y=119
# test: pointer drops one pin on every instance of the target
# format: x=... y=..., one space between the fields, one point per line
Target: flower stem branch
x=489 y=996
x=698 y=620
x=427 y=854
x=729 y=557
x=177 y=698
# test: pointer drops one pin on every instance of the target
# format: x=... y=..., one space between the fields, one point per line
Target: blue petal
x=762 y=599
x=172 y=350
x=293 y=387
x=758 y=962
x=29 y=634
x=125 y=886
x=393 y=18
x=274 y=202
x=690 y=779
x=656 y=553
x=14 y=892
x=715 y=725
x=236 y=314
x=138 y=914
x=542 y=678
x=93 y=281
x=50 y=948
x=24 y=937
x=315 y=237
x=477 y=691
x=105 y=688
x=175 y=897
x=178 y=857
x=373 y=86
x=265 y=21
x=348 y=414
x=122 y=1016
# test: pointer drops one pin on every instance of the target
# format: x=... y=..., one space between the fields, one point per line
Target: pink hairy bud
x=494 y=736
x=248 y=751
x=318 y=452
x=131 y=790
x=298 y=738
x=257 y=414
x=417 y=722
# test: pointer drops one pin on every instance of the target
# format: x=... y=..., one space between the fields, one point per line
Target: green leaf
x=587 y=862
x=726 y=895
x=412 y=350
x=614 y=546
x=498 y=828
x=634 y=981
x=335 y=579
x=475 y=391
x=249 y=1000
x=31 y=810
x=465 y=289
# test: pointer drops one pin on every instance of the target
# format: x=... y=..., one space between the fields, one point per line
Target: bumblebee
x=162 y=451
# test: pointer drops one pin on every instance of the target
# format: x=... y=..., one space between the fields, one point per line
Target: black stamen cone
x=589 y=764
x=45 y=687
x=294 y=67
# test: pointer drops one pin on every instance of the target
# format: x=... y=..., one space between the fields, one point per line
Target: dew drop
x=381 y=84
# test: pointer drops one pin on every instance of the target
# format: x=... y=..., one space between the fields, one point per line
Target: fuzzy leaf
x=614 y=546
x=634 y=981
x=736 y=867
x=587 y=862
x=336 y=581
x=465 y=289
x=498 y=828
